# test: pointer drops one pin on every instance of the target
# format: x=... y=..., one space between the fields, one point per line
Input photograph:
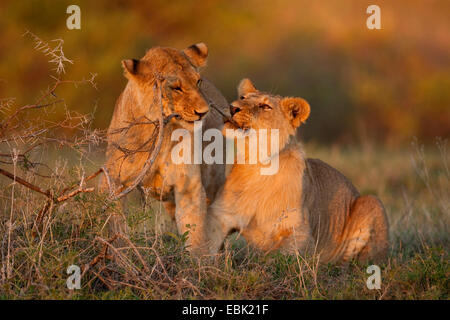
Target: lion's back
x=328 y=195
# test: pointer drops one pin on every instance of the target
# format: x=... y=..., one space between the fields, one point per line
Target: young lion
x=307 y=205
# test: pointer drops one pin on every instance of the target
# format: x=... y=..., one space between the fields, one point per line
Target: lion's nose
x=234 y=109
x=201 y=114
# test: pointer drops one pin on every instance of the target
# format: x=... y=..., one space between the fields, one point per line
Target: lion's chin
x=188 y=124
x=234 y=126
x=228 y=126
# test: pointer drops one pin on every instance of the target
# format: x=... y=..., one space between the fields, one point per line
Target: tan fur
x=307 y=205
x=184 y=188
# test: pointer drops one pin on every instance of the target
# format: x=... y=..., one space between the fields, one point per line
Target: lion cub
x=306 y=205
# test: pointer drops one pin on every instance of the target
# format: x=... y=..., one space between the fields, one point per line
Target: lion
x=186 y=97
x=307 y=206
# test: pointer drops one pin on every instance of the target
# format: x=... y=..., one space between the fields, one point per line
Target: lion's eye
x=242 y=97
x=177 y=88
x=265 y=107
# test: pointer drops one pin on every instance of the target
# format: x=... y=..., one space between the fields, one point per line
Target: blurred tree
x=388 y=85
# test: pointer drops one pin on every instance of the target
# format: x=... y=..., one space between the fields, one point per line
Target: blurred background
x=385 y=86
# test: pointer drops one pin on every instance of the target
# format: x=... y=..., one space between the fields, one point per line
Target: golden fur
x=184 y=188
x=307 y=205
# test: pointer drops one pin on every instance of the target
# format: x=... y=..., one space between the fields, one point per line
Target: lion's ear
x=130 y=66
x=197 y=54
x=245 y=86
x=296 y=110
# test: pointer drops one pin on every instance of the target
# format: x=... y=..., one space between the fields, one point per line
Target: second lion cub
x=306 y=205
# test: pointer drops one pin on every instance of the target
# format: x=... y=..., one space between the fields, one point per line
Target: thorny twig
x=15 y=128
x=152 y=156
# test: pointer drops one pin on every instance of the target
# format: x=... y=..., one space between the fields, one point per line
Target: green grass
x=412 y=182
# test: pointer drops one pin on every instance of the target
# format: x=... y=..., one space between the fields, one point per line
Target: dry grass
x=412 y=182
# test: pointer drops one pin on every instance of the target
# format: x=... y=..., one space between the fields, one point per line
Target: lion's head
x=260 y=110
x=178 y=73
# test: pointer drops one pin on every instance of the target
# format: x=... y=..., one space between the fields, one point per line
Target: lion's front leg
x=190 y=208
x=220 y=221
x=218 y=226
